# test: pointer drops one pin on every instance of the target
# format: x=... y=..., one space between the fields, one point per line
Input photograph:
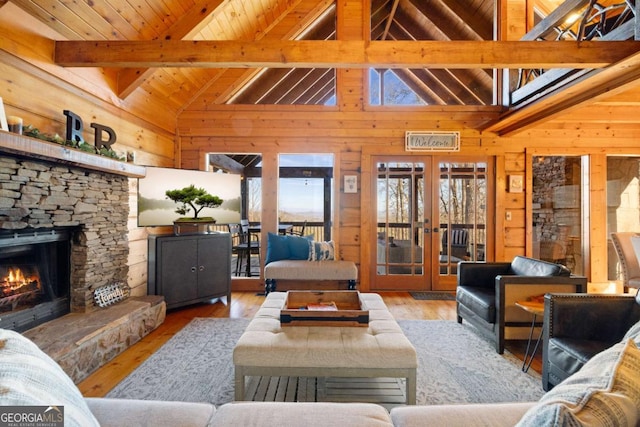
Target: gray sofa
x=606 y=386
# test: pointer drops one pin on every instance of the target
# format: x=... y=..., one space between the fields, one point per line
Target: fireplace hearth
x=35 y=268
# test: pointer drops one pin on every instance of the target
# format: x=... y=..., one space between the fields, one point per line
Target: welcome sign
x=432 y=141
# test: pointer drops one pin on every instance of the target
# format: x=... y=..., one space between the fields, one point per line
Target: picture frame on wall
x=3 y=117
x=350 y=183
x=516 y=183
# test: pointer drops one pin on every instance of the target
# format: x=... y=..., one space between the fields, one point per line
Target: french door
x=429 y=213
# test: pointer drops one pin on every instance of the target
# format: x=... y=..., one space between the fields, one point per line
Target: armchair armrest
x=480 y=274
x=596 y=317
x=530 y=286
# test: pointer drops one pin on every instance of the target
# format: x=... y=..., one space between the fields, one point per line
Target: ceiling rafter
x=303 y=20
x=389 y=20
x=473 y=20
x=186 y=26
x=475 y=83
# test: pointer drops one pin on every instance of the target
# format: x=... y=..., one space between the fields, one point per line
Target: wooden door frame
x=366 y=199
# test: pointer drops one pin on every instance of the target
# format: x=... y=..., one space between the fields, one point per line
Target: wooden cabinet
x=190 y=268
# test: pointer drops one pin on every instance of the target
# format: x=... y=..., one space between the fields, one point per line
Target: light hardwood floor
x=244 y=305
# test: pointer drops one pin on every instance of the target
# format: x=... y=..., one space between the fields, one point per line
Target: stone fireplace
x=50 y=192
x=42 y=196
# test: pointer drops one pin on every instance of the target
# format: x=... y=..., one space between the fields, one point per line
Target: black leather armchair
x=487 y=292
x=578 y=326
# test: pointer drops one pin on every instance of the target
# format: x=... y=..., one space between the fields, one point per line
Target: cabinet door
x=179 y=271
x=214 y=261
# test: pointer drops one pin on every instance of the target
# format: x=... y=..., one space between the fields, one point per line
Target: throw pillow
x=277 y=248
x=604 y=392
x=321 y=251
x=299 y=247
x=633 y=333
x=28 y=377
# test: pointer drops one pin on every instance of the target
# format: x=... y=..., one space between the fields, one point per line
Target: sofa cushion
x=132 y=412
x=307 y=414
x=482 y=301
x=570 y=354
x=606 y=391
x=28 y=377
x=478 y=414
x=523 y=266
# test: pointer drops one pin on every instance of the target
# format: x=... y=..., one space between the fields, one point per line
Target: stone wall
x=38 y=194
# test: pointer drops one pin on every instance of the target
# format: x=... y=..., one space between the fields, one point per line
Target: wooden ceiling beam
x=594 y=87
x=342 y=54
x=187 y=26
x=226 y=163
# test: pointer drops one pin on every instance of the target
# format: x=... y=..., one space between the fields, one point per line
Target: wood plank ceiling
x=183 y=88
x=249 y=20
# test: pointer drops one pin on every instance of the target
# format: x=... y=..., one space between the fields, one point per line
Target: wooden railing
x=315 y=229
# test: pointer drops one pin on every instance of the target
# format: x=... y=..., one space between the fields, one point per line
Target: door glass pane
x=400 y=213
x=463 y=214
x=557 y=214
x=623 y=204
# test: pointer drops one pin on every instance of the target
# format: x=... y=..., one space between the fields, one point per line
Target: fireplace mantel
x=38 y=149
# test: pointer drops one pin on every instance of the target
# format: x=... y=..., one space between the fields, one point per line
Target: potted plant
x=196 y=199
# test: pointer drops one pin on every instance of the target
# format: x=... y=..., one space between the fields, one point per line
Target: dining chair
x=299 y=232
x=623 y=242
x=243 y=245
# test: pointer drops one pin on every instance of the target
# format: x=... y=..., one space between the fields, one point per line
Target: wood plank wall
x=33 y=87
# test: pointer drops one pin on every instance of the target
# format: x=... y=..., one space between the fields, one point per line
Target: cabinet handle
x=193 y=269
x=202 y=268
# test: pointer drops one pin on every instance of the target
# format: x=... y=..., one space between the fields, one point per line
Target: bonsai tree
x=193 y=198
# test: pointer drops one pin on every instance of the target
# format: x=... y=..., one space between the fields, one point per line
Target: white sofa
x=607 y=386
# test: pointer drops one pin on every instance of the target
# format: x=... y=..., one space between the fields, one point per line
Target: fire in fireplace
x=34 y=277
x=16 y=286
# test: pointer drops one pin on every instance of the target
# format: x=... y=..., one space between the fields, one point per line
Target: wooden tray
x=351 y=310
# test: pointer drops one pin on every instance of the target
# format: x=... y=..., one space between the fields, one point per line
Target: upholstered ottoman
x=378 y=350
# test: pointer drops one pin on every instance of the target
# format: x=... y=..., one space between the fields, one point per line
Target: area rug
x=442 y=296
x=455 y=366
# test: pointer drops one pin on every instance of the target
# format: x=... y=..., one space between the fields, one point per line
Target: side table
x=536 y=308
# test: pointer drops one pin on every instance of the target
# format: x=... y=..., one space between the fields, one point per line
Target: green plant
x=34 y=132
x=193 y=198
